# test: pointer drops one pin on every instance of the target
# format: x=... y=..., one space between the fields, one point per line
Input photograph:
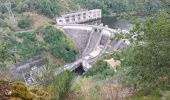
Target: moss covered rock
x=19 y=91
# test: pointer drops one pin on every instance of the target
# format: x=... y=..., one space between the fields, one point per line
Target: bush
x=2 y=22
x=100 y=69
x=25 y=23
x=60 y=46
x=25 y=45
x=153 y=94
x=61 y=85
x=48 y=8
x=2 y=66
x=22 y=8
x=29 y=46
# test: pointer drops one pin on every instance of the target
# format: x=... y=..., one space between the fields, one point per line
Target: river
x=112 y=22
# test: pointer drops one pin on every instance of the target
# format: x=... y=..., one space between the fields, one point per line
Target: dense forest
x=143 y=72
x=51 y=8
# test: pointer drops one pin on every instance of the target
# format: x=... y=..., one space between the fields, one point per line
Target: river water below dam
x=112 y=22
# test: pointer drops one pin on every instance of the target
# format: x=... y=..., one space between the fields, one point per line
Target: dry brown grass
x=36 y=19
x=91 y=89
x=110 y=92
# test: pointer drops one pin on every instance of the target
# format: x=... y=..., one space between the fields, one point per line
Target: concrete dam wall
x=87 y=36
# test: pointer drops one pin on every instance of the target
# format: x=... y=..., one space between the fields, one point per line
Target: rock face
x=19 y=91
x=14 y=91
x=20 y=70
x=4 y=90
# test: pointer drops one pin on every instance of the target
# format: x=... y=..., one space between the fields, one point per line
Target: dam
x=92 y=42
x=79 y=17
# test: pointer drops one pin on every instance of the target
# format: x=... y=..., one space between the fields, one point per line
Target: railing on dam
x=107 y=31
x=79 y=17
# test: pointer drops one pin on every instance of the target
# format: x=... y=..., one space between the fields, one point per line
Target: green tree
x=59 y=45
x=6 y=53
x=25 y=23
x=143 y=7
x=100 y=68
x=48 y=8
x=148 y=56
x=61 y=85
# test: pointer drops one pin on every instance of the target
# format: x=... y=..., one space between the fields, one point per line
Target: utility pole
x=1 y=20
x=11 y=15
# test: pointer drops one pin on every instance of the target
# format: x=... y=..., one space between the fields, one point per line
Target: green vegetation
x=154 y=95
x=51 y=8
x=59 y=45
x=142 y=7
x=144 y=64
x=152 y=55
x=24 y=23
x=20 y=46
x=2 y=22
x=48 y=8
x=61 y=85
x=56 y=90
x=3 y=54
x=25 y=45
x=100 y=69
x=19 y=91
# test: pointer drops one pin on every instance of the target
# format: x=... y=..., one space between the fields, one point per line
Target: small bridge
x=93 y=48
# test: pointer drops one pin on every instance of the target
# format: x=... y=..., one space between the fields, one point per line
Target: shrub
x=48 y=8
x=25 y=23
x=22 y=8
x=60 y=46
x=61 y=85
x=100 y=69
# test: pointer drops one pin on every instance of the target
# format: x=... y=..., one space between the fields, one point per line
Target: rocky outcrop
x=19 y=91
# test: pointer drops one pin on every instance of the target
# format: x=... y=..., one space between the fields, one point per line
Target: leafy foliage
x=61 y=85
x=48 y=7
x=60 y=46
x=19 y=91
x=148 y=57
x=155 y=95
x=25 y=23
x=51 y=8
x=100 y=69
x=25 y=45
x=143 y=7
x=6 y=54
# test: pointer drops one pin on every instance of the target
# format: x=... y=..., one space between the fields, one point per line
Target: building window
x=79 y=16
x=67 y=19
x=73 y=18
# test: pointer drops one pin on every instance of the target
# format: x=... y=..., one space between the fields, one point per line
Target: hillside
x=31 y=14
x=33 y=48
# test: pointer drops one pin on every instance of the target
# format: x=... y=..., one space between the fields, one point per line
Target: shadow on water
x=112 y=22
